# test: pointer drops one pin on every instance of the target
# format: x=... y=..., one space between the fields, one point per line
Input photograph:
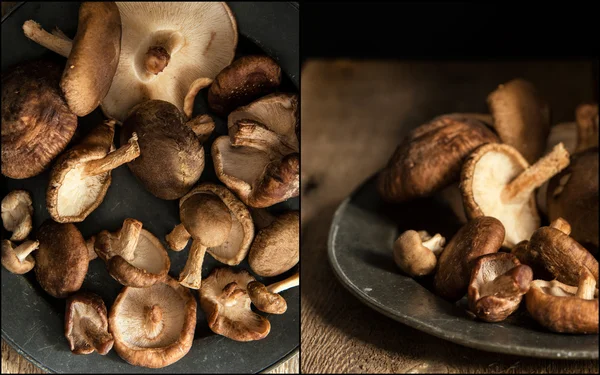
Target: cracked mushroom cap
x=226 y=303
x=17 y=210
x=246 y=79
x=18 y=259
x=498 y=283
x=134 y=257
x=86 y=324
x=260 y=159
x=154 y=326
x=172 y=157
x=479 y=236
x=276 y=248
x=430 y=157
x=61 y=262
x=32 y=105
x=81 y=176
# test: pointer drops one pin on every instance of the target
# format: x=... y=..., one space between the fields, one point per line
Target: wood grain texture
x=351 y=112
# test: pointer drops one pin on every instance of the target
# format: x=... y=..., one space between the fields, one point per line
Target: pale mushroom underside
x=79 y=192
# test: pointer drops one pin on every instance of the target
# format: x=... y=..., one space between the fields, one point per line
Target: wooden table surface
x=351 y=113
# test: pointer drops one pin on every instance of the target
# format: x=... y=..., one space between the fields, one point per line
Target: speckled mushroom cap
x=154 y=326
x=37 y=124
x=86 y=324
x=61 y=262
x=276 y=248
x=236 y=247
x=430 y=157
x=226 y=303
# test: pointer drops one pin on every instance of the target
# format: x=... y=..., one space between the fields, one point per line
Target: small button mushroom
x=521 y=117
x=154 y=326
x=480 y=236
x=226 y=303
x=86 y=324
x=62 y=259
x=416 y=253
x=498 y=283
x=586 y=116
x=32 y=105
x=81 y=176
x=259 y=160
x=18 y=259
x=17 y=210
x=497 y=181
x=276 y=248
x=133 y=256
x=563 y=308
x=267 y=298
x=246 y=79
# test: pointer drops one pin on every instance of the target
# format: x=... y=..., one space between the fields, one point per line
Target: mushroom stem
x=253 y=134
x=157 y=59
x=26 y=248
x=435 y=243
x=153 y=321
x=202 y=126
x=230 y=294
x=89 y=243
x=99 y=338
x=282 y=285
x=586 y=116
x=523 y=185
x=562 y=225
x=191 y=276
x=59 y=33
x=178 y=238
x=54 y=43
x=128 y=237
x=123 y=155
x=587 y=284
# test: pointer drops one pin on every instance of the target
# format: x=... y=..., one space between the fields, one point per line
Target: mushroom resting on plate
x=267 y=298
x=18 y=259
x=16 y=214
x=416 y=253
x=86 y=324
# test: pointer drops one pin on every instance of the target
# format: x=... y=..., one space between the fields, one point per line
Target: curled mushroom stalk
x=17 y=210
x=416 y=253
x=86 y=324
x=82 y=175
x=497 y=181
x=18 y=259
x=498 y=283
x=586 y=116
x=267 y=298
x=563 y=308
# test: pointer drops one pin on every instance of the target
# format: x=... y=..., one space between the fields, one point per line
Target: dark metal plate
x=32 y=321
x=360 y=252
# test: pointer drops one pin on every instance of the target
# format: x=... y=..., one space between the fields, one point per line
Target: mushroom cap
x=149 y=265
x=276 y=248
x=94 y=56
x=555 y=306
x=260 y=159
x=171 y=156
x=226 y=303
x=61 y=262
x=86 y=324
x=153 y=340
x=573 y=195
x=531 y=258
x=412 y=256
x=521 y=117
x=485 y=173
x=480 y=236
x=37 y=124
x=206 y=218
x=264 y=300
x=72 y=195
x=562 y=255
x=430 y=157
x=236 y=247
x=246 y=79
x=498 y=283
x=17 y=210
x=11 y=261
x=204 y=41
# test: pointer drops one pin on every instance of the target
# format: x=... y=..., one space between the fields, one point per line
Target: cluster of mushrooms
x=502 y=174
x=143 y=64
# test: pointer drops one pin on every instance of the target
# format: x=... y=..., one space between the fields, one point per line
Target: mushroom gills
x=87 y=333
x=242 y=162
x=79 y=191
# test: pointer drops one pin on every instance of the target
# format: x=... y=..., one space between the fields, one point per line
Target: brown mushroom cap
x=154 y=326
x=480 y=236
x=18 y=259
x=276 y=248
x=86 y=324
x=498 y=283
x=226 y=303
x=260 y=159
x=61 y=262
x=521 y=117
x=246 y=79
x=206 y=218
x=431 y=156
x=267 y=299
x=531 y=258
x=416 y=252
x=94 y=56
x=37 y=124
x=134 y=257
x=17 y=210
x=172 y=157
